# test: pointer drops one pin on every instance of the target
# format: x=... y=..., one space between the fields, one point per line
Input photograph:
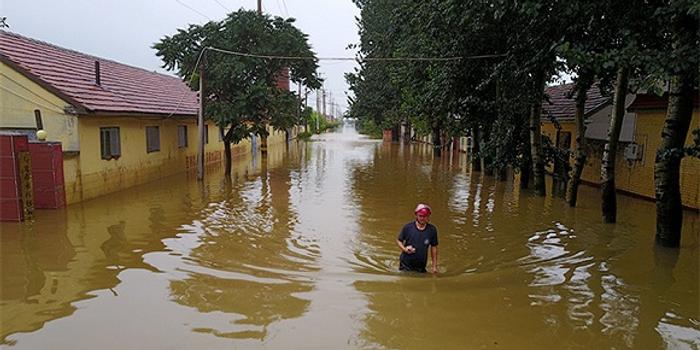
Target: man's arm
x=434 y=258
x=402 y=247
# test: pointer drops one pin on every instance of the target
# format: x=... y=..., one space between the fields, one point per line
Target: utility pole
x=306 y=104
x=200 y=122
x=299 y=97
x=263 y=138
x=298 y=107
x=330 y=104
x=318 y=101
x=324 y=102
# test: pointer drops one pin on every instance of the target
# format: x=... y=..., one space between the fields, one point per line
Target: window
x=206 y=133
x=182 y=136
x=152 y=139
x=109 y=143
x=565 y=140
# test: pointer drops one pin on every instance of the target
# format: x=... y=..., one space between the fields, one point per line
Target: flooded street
x=299 y=252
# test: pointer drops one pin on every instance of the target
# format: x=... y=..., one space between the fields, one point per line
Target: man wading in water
x=414 y=240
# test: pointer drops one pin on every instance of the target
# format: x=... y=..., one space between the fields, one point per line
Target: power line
x=394 y=59
x=182 y=97
x=55 y=108
x=279 y=7
x=193 y=9
x=222 y=5
x=286 y=12
x=386 y=59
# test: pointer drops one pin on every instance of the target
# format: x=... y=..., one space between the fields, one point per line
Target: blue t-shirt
x=421 y=241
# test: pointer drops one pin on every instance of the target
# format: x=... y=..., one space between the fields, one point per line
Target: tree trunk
x=227 y=158
x=607 y=171
x=526 y=165
x=669 y=210
x=582 y=87
x=559 y=179
x=476 y=142
x=486 y=160
x=502 y=173
x=536 y=136
x=407 y=133
x=437 y=142
x=263 y=144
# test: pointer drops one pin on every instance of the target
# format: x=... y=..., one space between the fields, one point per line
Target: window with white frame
x=110 y=147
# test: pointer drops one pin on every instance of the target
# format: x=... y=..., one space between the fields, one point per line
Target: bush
x=369 y=128
x=304 y=135
x=323 y=123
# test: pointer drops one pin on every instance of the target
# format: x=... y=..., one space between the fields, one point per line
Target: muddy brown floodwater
x=298 y=252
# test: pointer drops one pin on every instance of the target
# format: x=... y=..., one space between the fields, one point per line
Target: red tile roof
x=558 y=104
x=71 y=75
x=652 y=101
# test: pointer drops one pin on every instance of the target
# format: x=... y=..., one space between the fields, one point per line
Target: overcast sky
x=125 y=30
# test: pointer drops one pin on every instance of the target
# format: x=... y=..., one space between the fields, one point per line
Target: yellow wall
x=19 y=97
x=86 y=174
x=136 y=166
x=637 y=177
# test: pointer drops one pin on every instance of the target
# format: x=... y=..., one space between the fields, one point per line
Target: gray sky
x=125 y=30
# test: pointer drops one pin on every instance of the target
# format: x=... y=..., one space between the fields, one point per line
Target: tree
x=240 y=93
x=619 y=62
x=682 y=63
x=376 y=102
x=533 y=51
x=607 y=172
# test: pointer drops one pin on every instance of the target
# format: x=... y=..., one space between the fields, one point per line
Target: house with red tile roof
x=639 y=139
x=118 y=125
x=560 y=105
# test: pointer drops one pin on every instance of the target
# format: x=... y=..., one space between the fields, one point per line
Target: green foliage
x=369 y=128
x=319 y=124
x=588 y=39
x=304 y=135
x=241 y=95
x=453 y=97
x=692 y=150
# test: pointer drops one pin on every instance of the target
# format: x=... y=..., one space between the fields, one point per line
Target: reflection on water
x=298 y=251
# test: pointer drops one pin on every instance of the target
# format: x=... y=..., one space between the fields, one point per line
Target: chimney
x=97 y=73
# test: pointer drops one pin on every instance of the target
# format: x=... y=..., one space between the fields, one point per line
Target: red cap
x=423 y=209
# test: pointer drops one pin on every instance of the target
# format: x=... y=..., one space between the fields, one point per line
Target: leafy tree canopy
x=240 y=93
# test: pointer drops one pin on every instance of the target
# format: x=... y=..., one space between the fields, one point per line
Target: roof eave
x=597 y=108
x=134 y=114
x=78 y=107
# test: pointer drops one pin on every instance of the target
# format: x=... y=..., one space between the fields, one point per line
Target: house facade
x=639 y=139
x=119 y=126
